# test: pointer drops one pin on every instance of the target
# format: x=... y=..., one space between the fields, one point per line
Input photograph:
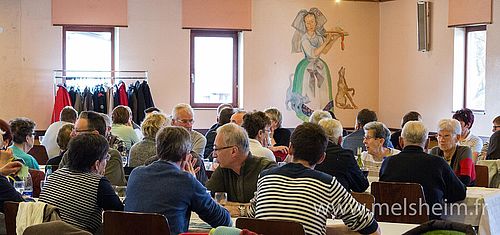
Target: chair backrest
x=40 y=154
x=115 y=223
x=388 y=194
x=482 y=178
x=364 y=198
x=270 y=227
x=10 y=211
x=36 y=176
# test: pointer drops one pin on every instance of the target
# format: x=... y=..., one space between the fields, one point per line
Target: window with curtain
x=214 y=68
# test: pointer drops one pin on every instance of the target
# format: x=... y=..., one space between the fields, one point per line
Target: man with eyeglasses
x=183 y=115
x=494 y=143
x=93 y=122
x=238 y=170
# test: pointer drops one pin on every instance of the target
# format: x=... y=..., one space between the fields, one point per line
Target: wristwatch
x=243 y=210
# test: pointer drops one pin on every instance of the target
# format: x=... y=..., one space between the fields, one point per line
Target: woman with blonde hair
x=146 y=148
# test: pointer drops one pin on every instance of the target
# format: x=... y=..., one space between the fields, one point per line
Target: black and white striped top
x=75 y=194
x=294 y=192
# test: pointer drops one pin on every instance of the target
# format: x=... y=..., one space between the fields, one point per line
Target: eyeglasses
x=222 y=148
x=368 y=137
x=185 y=121
x=495 y=127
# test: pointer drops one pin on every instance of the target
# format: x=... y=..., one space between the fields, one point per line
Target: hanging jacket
x=123 y=94
x=132 y=101
x=62 y=100
x=148 y=98
x=141 y=102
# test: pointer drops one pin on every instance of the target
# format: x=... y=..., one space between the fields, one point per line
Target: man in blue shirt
x=169 y=187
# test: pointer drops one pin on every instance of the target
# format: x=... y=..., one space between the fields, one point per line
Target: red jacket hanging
x=62 y=100
x=122 y=91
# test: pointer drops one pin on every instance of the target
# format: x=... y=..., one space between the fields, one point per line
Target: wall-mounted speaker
x=423 y=25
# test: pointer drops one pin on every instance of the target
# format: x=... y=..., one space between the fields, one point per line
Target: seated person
x=23 y=133
x=238 y=170
x=355 y=140
x=413 y=165
x=376 y=140
x=62 y=139
x=410 y=116
x=80 y=190
x=183 y=115
x=146 y=148
x=458 y=157
x=5 y=134
x=492 y=149
x=223 y=117
x=257 y=125
x=93 y=122
x=237 y=117
x=466 y=138
x=122 y=126
x=168 y=186
x=295 y=191
x=7 y=191
x=68 y=115
x=279 y=136
x=340 y=162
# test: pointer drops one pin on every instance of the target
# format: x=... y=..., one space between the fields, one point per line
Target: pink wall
x=155 y=41
x=412 y=80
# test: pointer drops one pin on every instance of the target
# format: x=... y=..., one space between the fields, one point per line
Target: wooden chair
x=364 y=198
x=40 y=154
x=270 y=227
x=390 y=193
x=10 y=211
x=36 y=176
x=115 y=223
x=482 y=178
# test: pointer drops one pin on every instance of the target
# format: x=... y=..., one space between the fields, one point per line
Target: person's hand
x=188 y=165
x=283 y=149
x=10 y=168
x=5 y=156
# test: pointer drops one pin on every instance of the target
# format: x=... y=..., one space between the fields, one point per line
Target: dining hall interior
x=387 y=57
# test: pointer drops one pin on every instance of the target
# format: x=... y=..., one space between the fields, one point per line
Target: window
x=214 y=68
x=469 y=71
x=88 y=49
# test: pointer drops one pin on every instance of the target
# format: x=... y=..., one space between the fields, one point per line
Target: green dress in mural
x=311 y=88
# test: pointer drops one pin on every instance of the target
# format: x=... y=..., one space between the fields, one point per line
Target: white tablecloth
x=333 y=227
x=480 y=208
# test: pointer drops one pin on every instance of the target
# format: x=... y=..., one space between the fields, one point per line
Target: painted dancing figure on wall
x=311 y=87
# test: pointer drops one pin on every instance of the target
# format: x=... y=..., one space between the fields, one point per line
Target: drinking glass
x=19 y=186
x=42 y=184
x=121 y=191
x=221 y=197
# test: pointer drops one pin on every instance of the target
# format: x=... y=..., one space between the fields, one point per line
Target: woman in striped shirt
x=80 y=190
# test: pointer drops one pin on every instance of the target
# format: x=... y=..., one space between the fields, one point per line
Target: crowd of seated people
x=169 y=178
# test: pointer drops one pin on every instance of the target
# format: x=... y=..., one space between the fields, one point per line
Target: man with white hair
x=340 y=162
x=183 y=115
x=413 y=165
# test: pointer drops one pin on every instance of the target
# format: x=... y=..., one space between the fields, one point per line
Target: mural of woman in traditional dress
x=311 y=88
